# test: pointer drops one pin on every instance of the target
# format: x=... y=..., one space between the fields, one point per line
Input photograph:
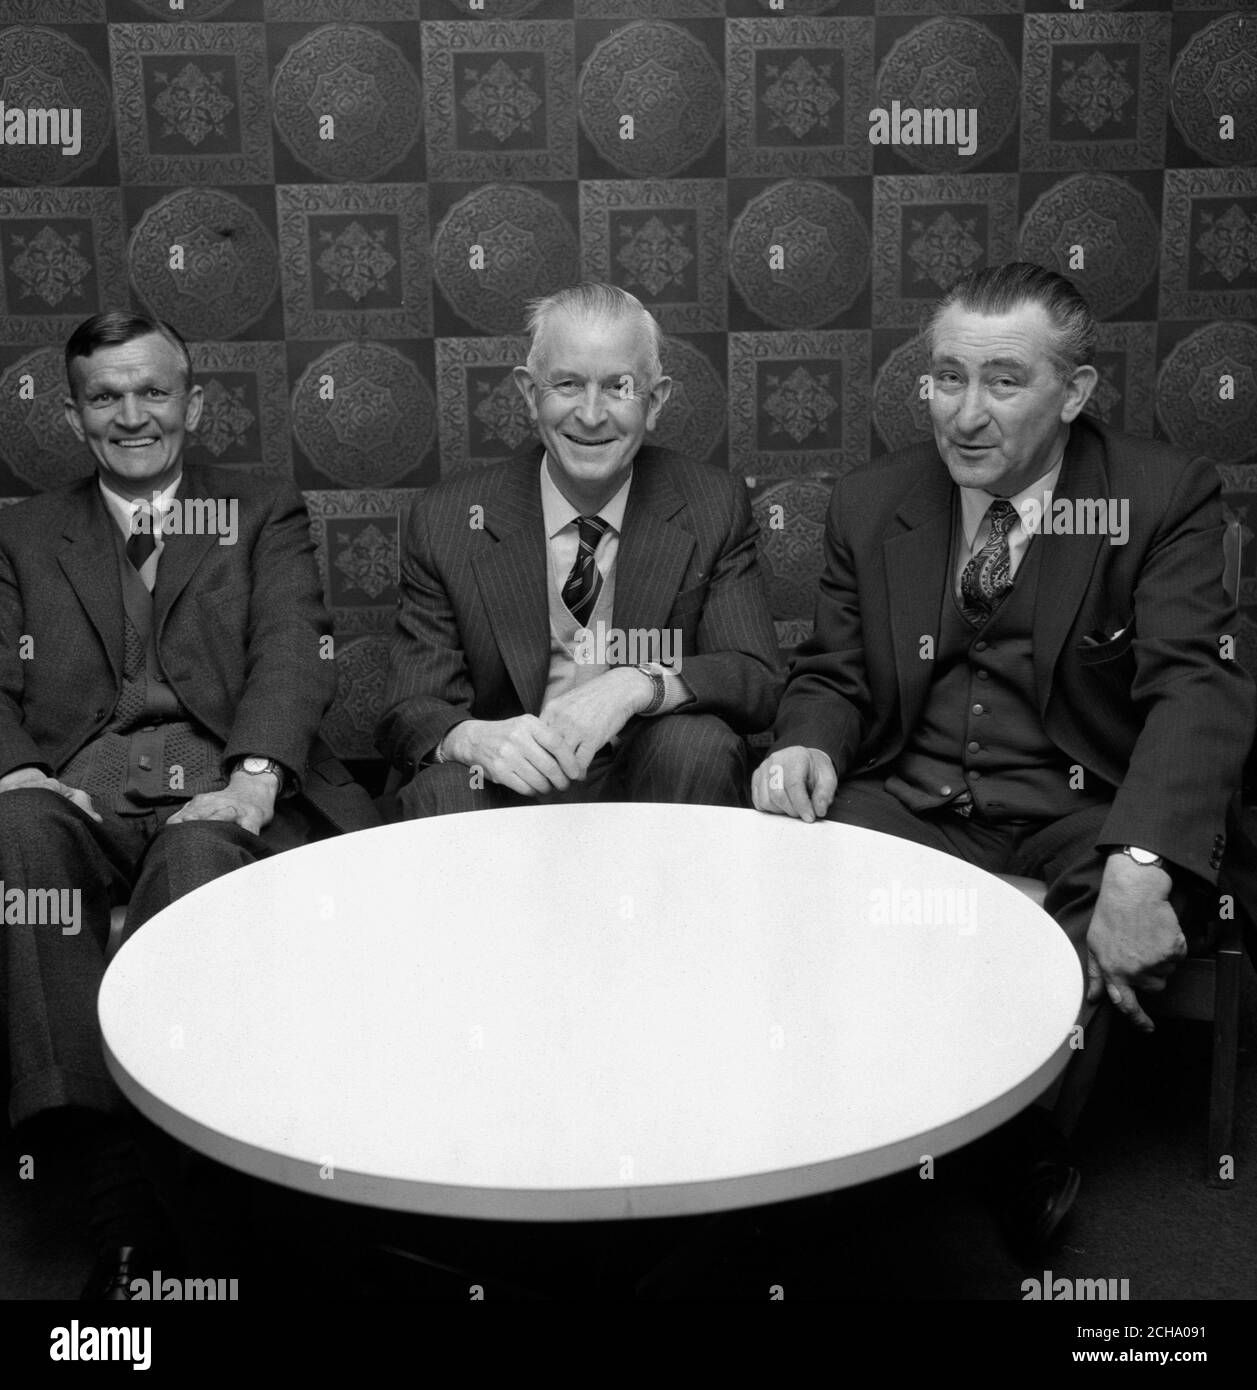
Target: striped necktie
x=584 y=584
x=986 y=578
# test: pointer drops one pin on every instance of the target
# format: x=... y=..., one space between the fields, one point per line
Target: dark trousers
x=692 y=758
x=50 y=973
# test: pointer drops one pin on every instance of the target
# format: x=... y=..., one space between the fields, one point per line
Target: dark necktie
x=141 y=543
x=583 y=585
x=986 y=577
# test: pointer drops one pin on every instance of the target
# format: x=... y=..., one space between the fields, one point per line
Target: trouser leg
x=1063 y=854
x=450 y=788
x=865 y=802
x=695 y=759
x=52 y=971
x=189 y=854
x=62 y=1094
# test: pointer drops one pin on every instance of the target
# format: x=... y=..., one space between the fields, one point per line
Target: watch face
x=1142 y=856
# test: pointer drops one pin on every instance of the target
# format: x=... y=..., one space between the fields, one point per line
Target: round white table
x=585 y=1012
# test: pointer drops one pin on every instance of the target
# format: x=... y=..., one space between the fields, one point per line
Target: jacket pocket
x=1103 y=652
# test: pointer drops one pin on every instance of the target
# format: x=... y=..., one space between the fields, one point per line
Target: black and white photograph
x=627 y=650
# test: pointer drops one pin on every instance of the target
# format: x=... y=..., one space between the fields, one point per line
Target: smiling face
x=132 y=408
x=1000 y=408
x=591 y=404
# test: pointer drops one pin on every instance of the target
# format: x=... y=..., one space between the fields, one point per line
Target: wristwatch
x=1144 y=857
x=255 y=767
x=655 y=672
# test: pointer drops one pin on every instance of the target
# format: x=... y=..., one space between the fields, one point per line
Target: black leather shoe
x=1036 y=1183
x=1035 y=1204
x=115 y=1268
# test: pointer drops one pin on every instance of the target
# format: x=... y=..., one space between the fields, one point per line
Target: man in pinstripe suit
x=586 y=622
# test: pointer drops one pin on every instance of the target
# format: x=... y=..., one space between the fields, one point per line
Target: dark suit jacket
x=1155 y=713
x=238 y=632
x=473 y=628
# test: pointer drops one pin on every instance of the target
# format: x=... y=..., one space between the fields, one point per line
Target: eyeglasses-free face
x=132 y=407
x=1000 y=408
x=592 y=404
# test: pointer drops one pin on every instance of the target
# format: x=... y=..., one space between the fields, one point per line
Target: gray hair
x=587 y=301
x=999 y=289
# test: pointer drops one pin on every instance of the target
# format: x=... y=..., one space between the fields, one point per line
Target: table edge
x=621 y=1202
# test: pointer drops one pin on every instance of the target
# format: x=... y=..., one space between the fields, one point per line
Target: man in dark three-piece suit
x=1024 y=655
x=586 y=622
x=165 y=662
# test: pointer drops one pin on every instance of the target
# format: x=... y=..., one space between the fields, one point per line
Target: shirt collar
x=122 y=509
x=558 y=512
x=976 y=501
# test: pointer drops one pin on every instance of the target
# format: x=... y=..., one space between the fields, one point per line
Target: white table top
x=571 y=1012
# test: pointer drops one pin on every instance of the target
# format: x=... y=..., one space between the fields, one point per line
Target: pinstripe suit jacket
x=472 y=639
x=1156 y=712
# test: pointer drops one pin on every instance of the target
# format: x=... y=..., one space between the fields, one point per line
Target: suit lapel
x=649 y=568
x=653 y=553
x=90 y=564
x=1068 y=561
x=916 y=560
x=181 y=553
x=512 y=580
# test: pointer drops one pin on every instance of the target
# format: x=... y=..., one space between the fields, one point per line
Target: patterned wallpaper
x=503 y=127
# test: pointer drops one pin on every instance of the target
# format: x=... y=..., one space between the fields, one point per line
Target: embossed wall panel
x=367 y=192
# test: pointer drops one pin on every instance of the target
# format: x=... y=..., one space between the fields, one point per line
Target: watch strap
x=660 y=688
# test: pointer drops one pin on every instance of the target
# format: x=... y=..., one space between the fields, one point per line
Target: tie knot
x=1003 y=515
x=591 y=529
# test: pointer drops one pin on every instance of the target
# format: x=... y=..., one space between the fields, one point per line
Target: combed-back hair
x=999 y=289
x=592 y=299
x=115 y=327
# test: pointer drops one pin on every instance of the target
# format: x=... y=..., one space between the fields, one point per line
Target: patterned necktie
x=583 y=585
x=986 y=577
x=141 y=542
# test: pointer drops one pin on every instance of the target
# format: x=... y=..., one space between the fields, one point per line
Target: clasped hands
x=538 y=754
x=1134 y=940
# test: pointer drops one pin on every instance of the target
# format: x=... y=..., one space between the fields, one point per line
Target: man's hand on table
x=1134 y=940
x=796 y=781
x=22 y=778
x=247 y=799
